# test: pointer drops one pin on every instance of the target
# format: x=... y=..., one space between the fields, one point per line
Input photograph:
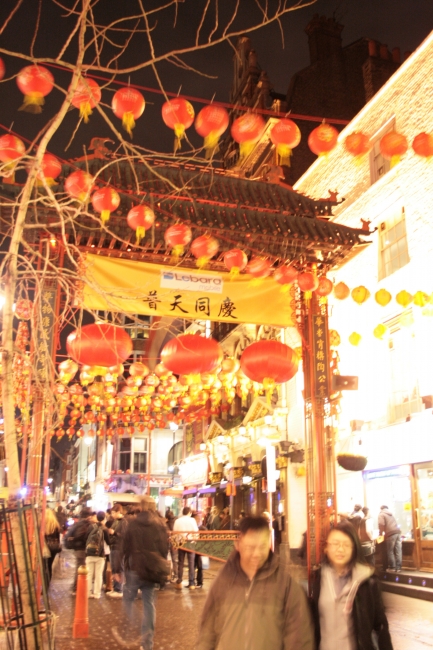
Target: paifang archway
x=262 y=218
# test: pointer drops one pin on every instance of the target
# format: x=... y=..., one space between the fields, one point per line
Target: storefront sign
x=320 y=352
x=216 y=477
x=238 y=472
x=135 y=287
x=255 y=469
x=193 y=437
x=45 y=336
x=193 y=470
x=282 y=462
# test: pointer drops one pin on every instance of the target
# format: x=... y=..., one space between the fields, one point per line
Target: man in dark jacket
x=76 y=539
x=117 y=530
x=389 y=527
x=145 y=549
x=253 y=602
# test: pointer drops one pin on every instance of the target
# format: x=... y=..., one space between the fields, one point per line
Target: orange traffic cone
x=80 y=629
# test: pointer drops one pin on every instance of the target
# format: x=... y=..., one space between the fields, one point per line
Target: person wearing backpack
x=95 y=555
x=76 y=538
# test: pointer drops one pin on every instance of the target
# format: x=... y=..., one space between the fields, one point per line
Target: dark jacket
x=269 y=612
x=78 y=533
x=119 y=526
x=387 y=523
x=145 y=547
x=368 y=614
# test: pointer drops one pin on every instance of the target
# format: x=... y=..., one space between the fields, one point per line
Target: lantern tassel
x=284 y=154
x=211 y=144
x=268 y=385
x=105 y=215
x=177 y=252
x=234 y=272
x=128 y=122
x=85 y=111
x=179 y=132
x=32 y=103
x=395 y=160
x=246 y=148
x=139 y=233
x=202 y=261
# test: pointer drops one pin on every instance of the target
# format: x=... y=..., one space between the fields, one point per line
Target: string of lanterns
x=193 y=378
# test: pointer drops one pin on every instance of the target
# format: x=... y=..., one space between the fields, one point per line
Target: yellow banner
x=140 y=288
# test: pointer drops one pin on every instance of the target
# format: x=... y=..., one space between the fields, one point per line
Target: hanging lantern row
x=383 y=297
x=205 y=385
x=392 y=145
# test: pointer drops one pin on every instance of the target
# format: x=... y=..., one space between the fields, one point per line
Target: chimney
x=396 y=55
x=372 y=48
x=384 y=52
x=324 y=38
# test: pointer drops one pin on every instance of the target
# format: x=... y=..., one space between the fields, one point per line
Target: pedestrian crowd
x=253 y=602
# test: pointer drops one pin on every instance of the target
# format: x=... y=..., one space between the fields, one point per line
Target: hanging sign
x=133 y=287
x=45 y=344
x=320 y=352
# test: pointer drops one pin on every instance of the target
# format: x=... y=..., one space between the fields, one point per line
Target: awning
x=172 y=492
x=207 y=490
x=190 y=492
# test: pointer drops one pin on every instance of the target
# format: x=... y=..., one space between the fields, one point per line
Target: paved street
x=178 y=614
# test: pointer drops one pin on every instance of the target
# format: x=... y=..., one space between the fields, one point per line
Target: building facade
x=386 y=341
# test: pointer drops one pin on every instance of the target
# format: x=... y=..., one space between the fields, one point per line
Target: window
x=393 y=247
x=139 y=460
x=378 y=164
x=404 y=396
x=133 y=455
x=125 y=454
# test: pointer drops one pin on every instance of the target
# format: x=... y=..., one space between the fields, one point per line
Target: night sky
x=397 y=23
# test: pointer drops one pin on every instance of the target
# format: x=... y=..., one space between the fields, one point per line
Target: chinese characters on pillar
x=44 y=349
x=320 y=352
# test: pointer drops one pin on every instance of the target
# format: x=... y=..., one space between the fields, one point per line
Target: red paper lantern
x=211 y=123
x=140 y=218
x=285 y=135
x=259 y=267
x=204 y=248
x=178 y=114
x=269 y=362
x=322 y=139
x=308 y=281
x=11 y=148
x=191 y=354
x=51 y=167
x=79 y=185
x=2 y=69
x=99 y=344
x=246 y=130
x=423 y=145
x=341 y=291
x=86 y=95
x=393 y=145
x=235 y=261
x=177 y=237
x=285 y=275
x=325 y=287
x=128 y=105
x=35 y=82
x=105 y=201
x=358 y=144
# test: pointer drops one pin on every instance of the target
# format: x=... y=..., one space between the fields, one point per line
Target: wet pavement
x=178 y=615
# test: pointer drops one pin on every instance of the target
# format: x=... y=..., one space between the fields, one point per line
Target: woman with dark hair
x=346 y=601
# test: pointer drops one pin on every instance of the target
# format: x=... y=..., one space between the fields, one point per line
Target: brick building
x=336 y=84
x=391 y=413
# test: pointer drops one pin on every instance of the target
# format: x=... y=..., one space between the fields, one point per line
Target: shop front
x=404 y=484
x=193 y=472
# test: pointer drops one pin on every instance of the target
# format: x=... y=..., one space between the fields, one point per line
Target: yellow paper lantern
x=355 y=338
x=382 y=297
x=360 y=294
x=420 y=299
x=380 y=331
x=334 y=338
x=404 y=298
